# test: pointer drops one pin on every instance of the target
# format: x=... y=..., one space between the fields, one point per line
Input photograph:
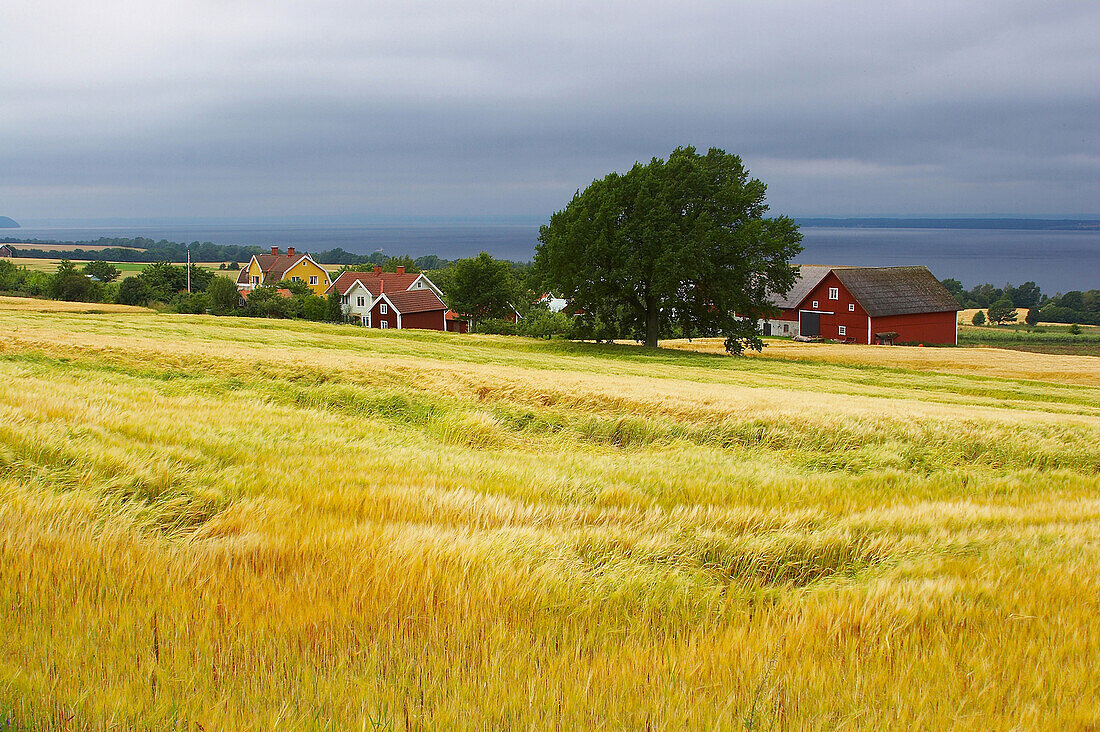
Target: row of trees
x=1027 y=295
x=1074 y=306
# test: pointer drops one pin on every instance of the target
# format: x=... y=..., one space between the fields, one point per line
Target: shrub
x=497 y=326
x=1032 y=317
x=222 y=295
x=979 y=318
x=1002 y=311
x=1075 y=329
x=133 y=291
x=193 y=303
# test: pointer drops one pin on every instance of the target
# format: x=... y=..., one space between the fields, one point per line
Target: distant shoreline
x=921 y=223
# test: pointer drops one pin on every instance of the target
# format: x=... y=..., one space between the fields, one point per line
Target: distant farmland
x=68 y=247
x=243 y=523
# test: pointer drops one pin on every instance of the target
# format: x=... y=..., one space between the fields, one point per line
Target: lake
x=1056 y=260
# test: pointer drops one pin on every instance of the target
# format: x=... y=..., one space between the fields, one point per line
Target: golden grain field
x=227 y=523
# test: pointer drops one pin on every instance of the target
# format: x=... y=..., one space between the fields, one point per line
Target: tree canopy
x=681 y=245
x=481 y=287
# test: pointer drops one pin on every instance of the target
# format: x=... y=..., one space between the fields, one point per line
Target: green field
x=128 y=269
x=229 y=523
x=1042 y=338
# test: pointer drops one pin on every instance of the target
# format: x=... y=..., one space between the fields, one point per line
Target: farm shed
x=854 y=303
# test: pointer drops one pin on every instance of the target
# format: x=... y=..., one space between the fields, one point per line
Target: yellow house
x=267 y=269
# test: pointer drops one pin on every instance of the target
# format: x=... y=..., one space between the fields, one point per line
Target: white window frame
x=360 y=301
x=851 y=307
x=834 y=293
x=383 y=324
x=313 y=279
x=814 y=304
x=255 y=279
x=842 y=330
x=344 y=299
x=295 y=279
x=383 y=309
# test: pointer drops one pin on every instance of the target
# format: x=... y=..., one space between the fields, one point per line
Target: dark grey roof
x=809 y=275
x=885 y=291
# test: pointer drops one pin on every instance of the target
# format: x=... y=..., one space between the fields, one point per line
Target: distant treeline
x=1075 y=306
x=141 y=249
x=1022 y=224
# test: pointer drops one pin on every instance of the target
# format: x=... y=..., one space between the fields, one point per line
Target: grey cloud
x=493 y=108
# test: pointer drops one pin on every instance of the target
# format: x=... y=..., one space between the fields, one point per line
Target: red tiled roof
x=282 y=292
x=415 y=301
x=376 y=283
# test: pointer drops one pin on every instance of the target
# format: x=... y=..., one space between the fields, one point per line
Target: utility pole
x=188 y=269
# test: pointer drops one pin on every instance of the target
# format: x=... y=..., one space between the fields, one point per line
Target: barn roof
x=885 y=291
x=415 y=301
x=809 y=275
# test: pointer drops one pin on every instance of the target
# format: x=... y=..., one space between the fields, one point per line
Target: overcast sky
x=241 y=108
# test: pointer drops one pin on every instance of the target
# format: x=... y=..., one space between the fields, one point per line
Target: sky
x=244 y=109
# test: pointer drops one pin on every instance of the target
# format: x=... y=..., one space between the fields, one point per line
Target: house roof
x=377 y=283
x=414 y=301
x=281 y=292
x=809 y=275
x=276 y=265
x=885 y=291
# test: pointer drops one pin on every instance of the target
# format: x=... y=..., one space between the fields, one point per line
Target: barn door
x=809 y=324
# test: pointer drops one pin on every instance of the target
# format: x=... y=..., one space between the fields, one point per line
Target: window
x=313 y=279
x=834 y=293
x=294 y=279
x=360 y=301
x=851 y=307
x=814 y=306
x=842 y=330
x=786 y=328
x=255 y=279
x=383 y=323
x=383 y=308
x=344 y=299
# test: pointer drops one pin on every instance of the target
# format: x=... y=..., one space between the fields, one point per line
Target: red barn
x=867 y=305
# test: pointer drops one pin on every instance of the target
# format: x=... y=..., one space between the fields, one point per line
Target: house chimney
x=275 y=251
x=378 y=269
x=290 y=251
x=400 y=269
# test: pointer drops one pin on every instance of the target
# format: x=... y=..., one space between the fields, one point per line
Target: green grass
x=1039 y=339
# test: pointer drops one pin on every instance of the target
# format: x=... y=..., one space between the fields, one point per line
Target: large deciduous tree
x=678 y=242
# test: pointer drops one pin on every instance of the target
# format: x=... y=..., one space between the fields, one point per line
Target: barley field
x=226 y=523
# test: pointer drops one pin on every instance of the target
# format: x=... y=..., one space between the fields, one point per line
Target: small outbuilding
x=867 y=305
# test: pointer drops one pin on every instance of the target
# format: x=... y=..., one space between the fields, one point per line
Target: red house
x=867 y=305
x=380 y=299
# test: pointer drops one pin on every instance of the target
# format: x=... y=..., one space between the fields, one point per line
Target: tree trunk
x=651 y=318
